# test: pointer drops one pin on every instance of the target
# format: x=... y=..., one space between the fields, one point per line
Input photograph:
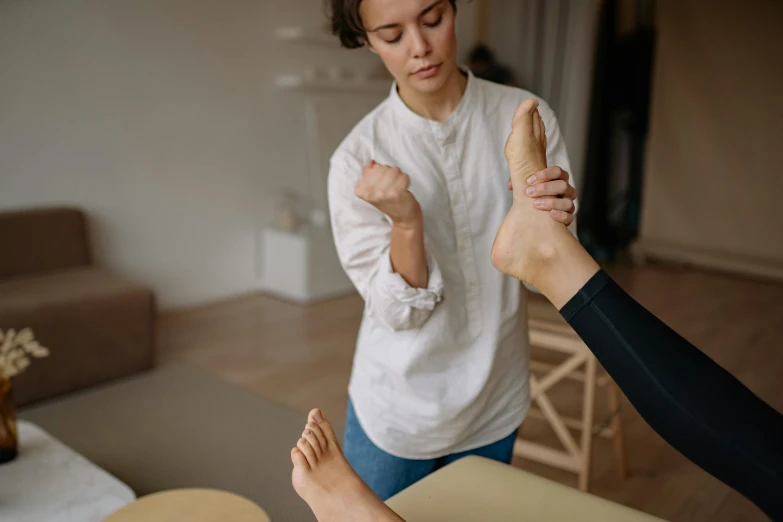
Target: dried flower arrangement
x=16 y=350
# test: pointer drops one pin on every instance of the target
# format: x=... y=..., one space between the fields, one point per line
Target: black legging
x=693 y=403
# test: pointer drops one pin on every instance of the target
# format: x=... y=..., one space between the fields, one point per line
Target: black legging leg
x=692 y=402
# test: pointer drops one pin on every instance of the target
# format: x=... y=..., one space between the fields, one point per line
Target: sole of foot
x=523 y=239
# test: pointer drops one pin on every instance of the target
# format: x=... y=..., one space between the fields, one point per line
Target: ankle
x=542 y=263
x=562 y=268
x=547 y=253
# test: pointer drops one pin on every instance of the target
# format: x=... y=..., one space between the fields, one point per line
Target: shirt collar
x=454 y=119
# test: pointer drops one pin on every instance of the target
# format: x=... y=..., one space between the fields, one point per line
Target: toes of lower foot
x=315 y=416
x=308 y=451
x=328 y=432
x=298 y=458
x=319 y=434
x=311 y=438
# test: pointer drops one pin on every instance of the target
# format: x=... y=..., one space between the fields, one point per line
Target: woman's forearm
x=408 y=257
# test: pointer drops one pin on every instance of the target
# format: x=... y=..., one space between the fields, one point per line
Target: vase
x=8 y=435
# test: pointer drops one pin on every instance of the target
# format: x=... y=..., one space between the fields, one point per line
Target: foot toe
x=524 y=109
x=329 y=433
x=315 y=416
x=318 y=418
x=308 y=452
x=312 y=439
x=536 y=124
x=319 y=435
x=539 y=130
x=298 y=459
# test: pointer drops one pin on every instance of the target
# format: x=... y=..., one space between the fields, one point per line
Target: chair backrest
x=42 y=239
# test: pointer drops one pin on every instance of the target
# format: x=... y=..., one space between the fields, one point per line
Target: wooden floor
x=301 y=357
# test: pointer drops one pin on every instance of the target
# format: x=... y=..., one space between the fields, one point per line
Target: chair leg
x=618 y=437
x=588 y=410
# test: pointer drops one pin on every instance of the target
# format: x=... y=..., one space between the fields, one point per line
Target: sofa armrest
x=42 y=239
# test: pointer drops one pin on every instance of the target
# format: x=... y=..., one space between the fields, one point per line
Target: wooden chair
x=549 y=331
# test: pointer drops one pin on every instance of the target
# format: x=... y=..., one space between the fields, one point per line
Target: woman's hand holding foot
x=553 y=193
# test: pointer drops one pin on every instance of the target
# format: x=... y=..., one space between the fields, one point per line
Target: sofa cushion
x=31 y=293
x=97 y=326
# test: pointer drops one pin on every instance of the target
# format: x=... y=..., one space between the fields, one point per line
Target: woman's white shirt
x=442 y=369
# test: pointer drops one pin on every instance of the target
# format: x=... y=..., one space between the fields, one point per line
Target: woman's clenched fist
x=386 y=188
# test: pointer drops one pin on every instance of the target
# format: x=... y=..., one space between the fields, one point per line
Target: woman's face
x=414 y=38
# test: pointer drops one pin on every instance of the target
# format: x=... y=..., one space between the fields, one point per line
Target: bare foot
x=529 y=244
x=521 y=243
x=325 y=480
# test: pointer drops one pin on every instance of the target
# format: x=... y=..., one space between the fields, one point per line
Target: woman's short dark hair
x=347 y=22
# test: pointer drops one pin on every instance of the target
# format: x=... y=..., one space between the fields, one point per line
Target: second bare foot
x=325 y=480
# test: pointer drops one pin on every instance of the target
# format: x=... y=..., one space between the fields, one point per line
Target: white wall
x=160 y=119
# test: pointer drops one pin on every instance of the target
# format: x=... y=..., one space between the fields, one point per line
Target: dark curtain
x=619 y=113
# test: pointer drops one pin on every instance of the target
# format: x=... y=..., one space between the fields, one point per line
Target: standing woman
x=441 y=363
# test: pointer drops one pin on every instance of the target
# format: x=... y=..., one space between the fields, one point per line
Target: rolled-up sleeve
x=362 y=237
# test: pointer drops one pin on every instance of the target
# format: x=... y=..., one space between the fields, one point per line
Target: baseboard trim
x=310 y=299
x=647 y=249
